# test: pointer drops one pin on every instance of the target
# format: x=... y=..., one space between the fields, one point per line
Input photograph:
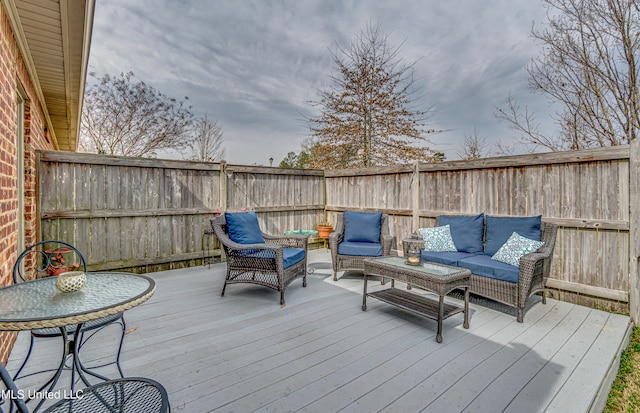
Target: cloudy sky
x=253 y=65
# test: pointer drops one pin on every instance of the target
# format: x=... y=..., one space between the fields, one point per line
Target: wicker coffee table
x=437 y=278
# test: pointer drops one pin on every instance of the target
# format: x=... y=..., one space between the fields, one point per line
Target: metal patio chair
x=131 y=394
x=50 y=258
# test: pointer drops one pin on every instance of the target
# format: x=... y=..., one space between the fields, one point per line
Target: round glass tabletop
x=39 y=304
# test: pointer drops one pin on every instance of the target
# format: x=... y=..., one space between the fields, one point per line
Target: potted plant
x=55 y=264
x=324 y=229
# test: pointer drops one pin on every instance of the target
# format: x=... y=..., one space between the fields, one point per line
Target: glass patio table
x=39 y=304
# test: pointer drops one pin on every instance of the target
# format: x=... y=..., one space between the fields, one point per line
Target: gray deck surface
x=322 y=353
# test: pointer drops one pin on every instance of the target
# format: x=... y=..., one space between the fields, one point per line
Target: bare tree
x=589 y=65
x=120 y=117
x=473 y=147
x=529 y=131
x=368 y=117
x=207 y=142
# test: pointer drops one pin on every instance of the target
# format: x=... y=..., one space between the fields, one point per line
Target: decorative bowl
x=69 y=282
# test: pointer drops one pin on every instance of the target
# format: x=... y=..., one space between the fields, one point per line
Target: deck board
x=322 y=353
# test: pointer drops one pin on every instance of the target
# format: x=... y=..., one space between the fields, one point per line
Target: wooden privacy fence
x=587 y=193
x=129 y=213
x=149 y=214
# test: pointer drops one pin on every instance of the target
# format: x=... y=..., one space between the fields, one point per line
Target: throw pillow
x=515 y=247
x=438 y=239
x=243 y=227
x=362 y=226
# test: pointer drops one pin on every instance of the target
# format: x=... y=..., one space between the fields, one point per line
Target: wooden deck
x=322 y=353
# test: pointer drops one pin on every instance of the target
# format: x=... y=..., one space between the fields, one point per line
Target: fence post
x=222 y=189
x=415 y=197
x=634 y=230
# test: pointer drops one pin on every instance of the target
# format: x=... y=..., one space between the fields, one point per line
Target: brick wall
x=12 y=71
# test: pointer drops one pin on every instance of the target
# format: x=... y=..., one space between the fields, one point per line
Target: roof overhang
x=54 y=38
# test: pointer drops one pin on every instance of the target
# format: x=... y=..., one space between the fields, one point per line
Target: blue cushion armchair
x=358 y=236
x=257 y=258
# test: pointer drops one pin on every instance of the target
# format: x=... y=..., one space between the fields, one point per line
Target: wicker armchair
x=354 y=260
x=132 y=394
x=49 y=258
x=273 y=263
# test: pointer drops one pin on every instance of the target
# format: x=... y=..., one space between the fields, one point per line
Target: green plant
x=625 y=390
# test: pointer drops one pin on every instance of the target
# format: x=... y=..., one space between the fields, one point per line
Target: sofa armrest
x=534 y=267
x=387 y=241
x=335 y=238
x=532 y=263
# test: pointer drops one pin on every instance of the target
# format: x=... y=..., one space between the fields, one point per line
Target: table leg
x=77 y=363
x=54 y=380
x=364 y=293
x=440 y=317
x=466 y=308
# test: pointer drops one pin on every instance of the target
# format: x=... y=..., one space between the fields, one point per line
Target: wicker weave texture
x=534 y=268
x=350 y=262
x=419 y=276
x=261 y=264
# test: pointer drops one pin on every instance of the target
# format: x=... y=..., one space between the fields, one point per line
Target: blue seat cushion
x=484 y=266
x=243 y=227
x=362 y=226
x=362 y=249
x=499 y=229
x=446 y=258
x=467 y=231
x=290 y=255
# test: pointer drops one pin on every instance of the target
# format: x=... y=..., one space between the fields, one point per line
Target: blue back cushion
x=466 y=231
x=243 y=227
x=362 y=226
x=499 y=229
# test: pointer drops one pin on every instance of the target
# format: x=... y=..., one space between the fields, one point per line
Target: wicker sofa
x=478 y=238
x=347 y=255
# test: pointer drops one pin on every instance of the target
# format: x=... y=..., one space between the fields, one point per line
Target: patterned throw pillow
x=515 y=247
x=438 y=239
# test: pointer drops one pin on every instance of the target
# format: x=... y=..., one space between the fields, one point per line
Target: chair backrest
x=219 y=227
x=47 y=258
x=384 y=224
x=136 y=393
